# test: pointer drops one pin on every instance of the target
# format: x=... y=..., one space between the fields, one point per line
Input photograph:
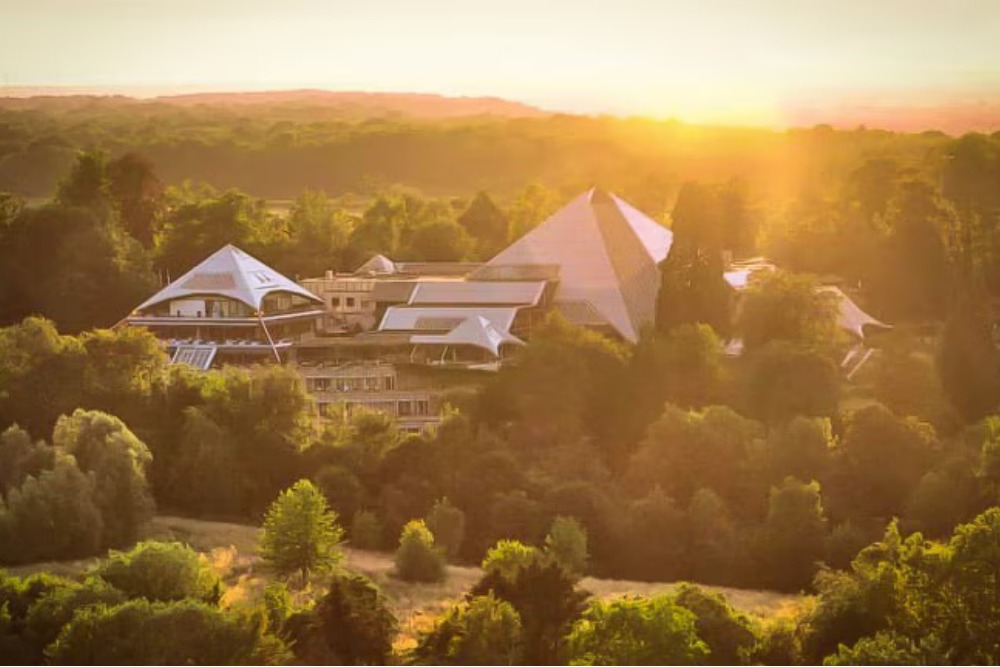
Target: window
x=387 y=383
x=404 y=408
x=335 y=302
x=350 y=302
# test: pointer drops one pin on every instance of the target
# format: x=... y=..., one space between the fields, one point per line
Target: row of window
x=349 y=302
x=409 y=407
x=369 y=383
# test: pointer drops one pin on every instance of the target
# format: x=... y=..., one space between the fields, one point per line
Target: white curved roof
x=229 y=272
x=608 y=253
x=849 y=314
x=377 y=264
x=477 y=331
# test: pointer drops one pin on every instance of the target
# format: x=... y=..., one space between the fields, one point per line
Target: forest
x=668 y=461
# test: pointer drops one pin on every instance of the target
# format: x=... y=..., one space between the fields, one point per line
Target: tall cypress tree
x=692 y=287
x=968 y=362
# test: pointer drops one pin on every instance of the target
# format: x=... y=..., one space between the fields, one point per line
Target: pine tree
x=300 y=532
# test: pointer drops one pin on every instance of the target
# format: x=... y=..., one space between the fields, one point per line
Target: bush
x=726 y=632
x=508 y=556
x=55 y=609
x=367 y=531
x=545 y=598
x=161 y=633
x=342 y=489
x=447 y=523
x=162 y=572
x=355 y=621
x=52 y=516
x=481 y=631
x=654 y=631
x=21 y=458
x=567 y=544
x=417 y=559
x=782 y=381
x=300 y=533
x=118 y=460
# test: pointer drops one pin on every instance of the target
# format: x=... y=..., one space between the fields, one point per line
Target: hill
x=305 y=103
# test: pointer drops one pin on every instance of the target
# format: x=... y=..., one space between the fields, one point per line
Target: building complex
x=398 y=336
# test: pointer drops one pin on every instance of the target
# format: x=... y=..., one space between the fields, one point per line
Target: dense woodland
x=665 y=460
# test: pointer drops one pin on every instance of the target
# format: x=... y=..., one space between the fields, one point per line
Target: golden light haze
x=704 y=60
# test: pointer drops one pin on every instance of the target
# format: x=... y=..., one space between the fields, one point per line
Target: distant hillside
x=316 y=102
x=407 y=104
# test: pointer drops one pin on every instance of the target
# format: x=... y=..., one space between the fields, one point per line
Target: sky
x=702 y=60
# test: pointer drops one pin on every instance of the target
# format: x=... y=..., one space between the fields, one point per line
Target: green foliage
x=104 y=447
x=300 y=532
x=438 y=241
x=546 y=600
x=21 y=458
x=355 y=621
x=484 y=220
x=788 y=307
x=906 y=382
x=161 y=572
x=800 y=448
x=71 y=261
x=447 y=523
x=885 y=648
x=481 y=631
x=793 y=534
x=367 y=531
x=968 y=362
x=56 y=608
x=781 y=381
x=417 y=558
x=683 y=451
x=559 y=390
x=52 y=516
x=654 y=631
x=653 y=547
x=158 y=633
x=692 y=288
x=727 y=633
x=342 y=489
x=884 y=457
x=684 y=367
x=507 y=557
x=566 y=543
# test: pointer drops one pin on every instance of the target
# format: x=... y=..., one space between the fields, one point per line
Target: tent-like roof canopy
x=849 y=315
x=476 y=331
x=230 y=273
x=608 y=254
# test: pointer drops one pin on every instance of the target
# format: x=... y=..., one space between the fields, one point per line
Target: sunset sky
x=706 y=60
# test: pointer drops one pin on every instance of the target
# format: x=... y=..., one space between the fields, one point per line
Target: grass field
x=231 y=549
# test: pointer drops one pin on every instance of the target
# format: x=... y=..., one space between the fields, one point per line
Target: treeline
x=751 y=474
x=264 y=150
x=114 y=233
x=902 y=600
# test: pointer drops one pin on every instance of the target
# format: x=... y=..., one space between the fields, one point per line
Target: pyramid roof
x=608 y=254
x=229 y=272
